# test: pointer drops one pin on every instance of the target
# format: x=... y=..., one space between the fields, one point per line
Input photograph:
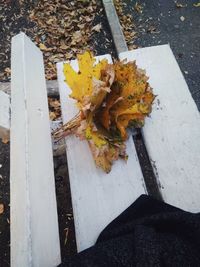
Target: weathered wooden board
x=4 y=115
x=34 y=222
x=97 y=197
x=52 y=87
x=172 y=134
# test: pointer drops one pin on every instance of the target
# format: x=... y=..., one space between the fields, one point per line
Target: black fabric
x=148 y=233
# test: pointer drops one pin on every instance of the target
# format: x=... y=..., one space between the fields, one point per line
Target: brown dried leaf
x=97 y=27
x=66 y=235
x=179 y=5
x=52 y=115
x=5 y=140
x=1 y=208
x=8 y=71
x=54 y=107
x=196 y=4
x=138 y=7
x=54 y=103
x=62 y=29
x=152 y=29
x=44 y=48
x=127 y=23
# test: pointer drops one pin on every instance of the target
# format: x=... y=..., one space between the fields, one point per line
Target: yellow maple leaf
x=130 y=99
x=81 y=82
x=95 y=136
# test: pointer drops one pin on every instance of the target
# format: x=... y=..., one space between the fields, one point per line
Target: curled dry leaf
x=97 y=27
x=44 y=48
x=110 y=99
x=196 y=5
x=1 y=208
x=127 y=23
x=62 y=29
x=5 y=140
x=138 y=7
x=179 y=5
x=54 y=108
x=182 y=18
x=66 y=235
x=152 y=29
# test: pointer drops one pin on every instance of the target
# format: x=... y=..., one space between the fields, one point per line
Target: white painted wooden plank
x=34 y=222
x=97 y=197
x=4 y=115
x=172 y=134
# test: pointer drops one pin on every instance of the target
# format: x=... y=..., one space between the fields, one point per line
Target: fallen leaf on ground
x=196 y=5
x=152 y=29
x=127 y=23
x=5 y=140
x=1 y=208
x=52 y=116
x=66 y=235
x=182 y=18
x=62 y=28
x=97 y=27
x=138 y=7
x=54 y=108
x=179 y=5
x=51 y=26
x=8 y=70
x=43 y=47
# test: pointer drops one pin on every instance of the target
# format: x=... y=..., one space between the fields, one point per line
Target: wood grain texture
x=97 y=197
x=34 y=222
x=4 y=115
x=172 y=133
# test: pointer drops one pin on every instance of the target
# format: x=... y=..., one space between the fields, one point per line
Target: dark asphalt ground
x=162 y=22
x=183 y=36
x=5 y=200
x=159 y=23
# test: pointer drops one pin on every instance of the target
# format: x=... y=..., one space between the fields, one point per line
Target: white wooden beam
x=172 y=133
x=34 y=222
x=97 y=197
x=4 y=115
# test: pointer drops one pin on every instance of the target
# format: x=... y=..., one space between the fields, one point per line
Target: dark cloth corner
x=148 y=233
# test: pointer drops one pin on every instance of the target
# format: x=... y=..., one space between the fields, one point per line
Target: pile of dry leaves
x=110 y=99
x=64 y=28
x=127 y=23
x=60 y=28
